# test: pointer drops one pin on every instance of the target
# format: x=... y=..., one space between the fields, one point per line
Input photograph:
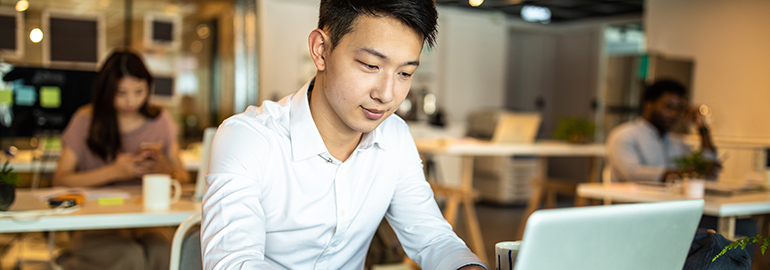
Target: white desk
x=25 y=162
x=94 y=216
x=726 y=208
x=469 y=148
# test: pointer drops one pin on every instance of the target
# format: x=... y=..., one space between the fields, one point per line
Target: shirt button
x=342 y=213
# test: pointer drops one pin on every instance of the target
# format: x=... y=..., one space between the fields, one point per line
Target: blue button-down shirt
x=637 y=152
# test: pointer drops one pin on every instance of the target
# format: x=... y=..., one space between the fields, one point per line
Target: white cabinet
x=504 y=180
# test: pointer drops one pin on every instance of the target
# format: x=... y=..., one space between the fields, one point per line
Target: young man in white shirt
x=302 y=183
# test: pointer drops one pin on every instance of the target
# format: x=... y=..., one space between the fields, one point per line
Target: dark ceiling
x=561 y=10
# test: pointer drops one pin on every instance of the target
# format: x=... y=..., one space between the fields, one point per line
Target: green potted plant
x=696 y=166
x=8 y=180
x=743 y=242
x=574 y=130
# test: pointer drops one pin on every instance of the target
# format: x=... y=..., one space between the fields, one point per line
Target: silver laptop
x=630 y=236
x=517 y=128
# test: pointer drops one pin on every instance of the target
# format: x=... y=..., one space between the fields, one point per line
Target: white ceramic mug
x=156 y=191
x=695 y=188
x=505 y=254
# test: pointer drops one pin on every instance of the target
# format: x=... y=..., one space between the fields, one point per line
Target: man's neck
x=339 y=140
x=661 y=131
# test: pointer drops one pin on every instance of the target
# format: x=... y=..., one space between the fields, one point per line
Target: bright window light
x=536 y=14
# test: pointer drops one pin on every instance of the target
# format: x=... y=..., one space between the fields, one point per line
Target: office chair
x=200 y=181
x=186 y=245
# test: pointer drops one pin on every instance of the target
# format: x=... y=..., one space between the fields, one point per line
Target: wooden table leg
x=464 y=197
x=537 y=194
x=593 y=176
x=726 y=227
x=477 y=241
x=450 y=210
x=532 y=205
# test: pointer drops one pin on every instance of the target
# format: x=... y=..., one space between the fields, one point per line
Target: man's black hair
x=656 y=90
x=338 y=16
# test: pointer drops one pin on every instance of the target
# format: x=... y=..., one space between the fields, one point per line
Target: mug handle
x=177 y=191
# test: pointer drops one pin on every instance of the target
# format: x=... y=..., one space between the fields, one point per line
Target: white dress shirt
x=276 y=198
x=637 y=152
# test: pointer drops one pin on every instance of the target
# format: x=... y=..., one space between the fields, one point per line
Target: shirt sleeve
x=623 y=156
x=421 y=228
x=75 y=134
x=233 y=221
x=170 y=130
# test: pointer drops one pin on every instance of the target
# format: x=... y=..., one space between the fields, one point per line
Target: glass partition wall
x=189 y=46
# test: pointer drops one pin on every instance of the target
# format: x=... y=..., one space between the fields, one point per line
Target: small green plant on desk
x=696 y=166
x=743 y=242
x=8 y=180
x=574 y=130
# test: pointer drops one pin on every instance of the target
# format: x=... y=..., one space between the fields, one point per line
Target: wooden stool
x=550 y=187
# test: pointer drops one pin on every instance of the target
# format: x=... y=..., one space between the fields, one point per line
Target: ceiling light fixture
x=536 y=14
x=475 y=3
x=22 y=5
x=196 y=46
x=36 y=35
x=203 y=31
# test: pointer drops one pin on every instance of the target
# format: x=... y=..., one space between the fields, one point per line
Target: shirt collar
x=305 y=139
x=373 y=138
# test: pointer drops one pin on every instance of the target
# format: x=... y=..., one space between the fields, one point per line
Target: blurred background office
x=214 y=58
x=586 y=60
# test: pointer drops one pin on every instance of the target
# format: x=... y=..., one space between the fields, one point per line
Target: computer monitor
x=45 y=99
x=164 y=86
x=162 y=31
x=72 y=41
x=11 y=36
x=164 y=89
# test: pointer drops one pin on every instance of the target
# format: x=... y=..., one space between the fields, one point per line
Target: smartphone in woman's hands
x=148 y=150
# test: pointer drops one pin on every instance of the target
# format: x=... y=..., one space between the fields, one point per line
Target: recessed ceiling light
x=475 y=3
x=536 y=14
x=22 y=5
x=36 y=35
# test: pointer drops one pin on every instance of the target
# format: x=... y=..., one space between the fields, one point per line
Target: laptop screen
x=517 y=128
x=630 y=236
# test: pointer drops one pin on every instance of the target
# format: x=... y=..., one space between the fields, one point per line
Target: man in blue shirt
x=644 y=149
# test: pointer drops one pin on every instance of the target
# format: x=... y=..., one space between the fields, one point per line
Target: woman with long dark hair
x=116 y=140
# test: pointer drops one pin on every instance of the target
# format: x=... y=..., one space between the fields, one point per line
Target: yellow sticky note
x=53 y=143
x=6 y=97
x=111 y=201
x=50 y=97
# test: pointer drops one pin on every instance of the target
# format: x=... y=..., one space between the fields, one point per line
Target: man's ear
x=647 y=107
x=319 y=45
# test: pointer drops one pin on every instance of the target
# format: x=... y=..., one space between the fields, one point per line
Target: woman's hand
x=160 y=163
x=133 y=166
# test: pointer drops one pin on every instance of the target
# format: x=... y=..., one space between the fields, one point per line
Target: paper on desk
x=732 y=188
x=35 y=214
x=90 y=194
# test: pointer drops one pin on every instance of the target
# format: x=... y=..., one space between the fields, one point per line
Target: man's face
x=369 y=72
x=665 y=111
